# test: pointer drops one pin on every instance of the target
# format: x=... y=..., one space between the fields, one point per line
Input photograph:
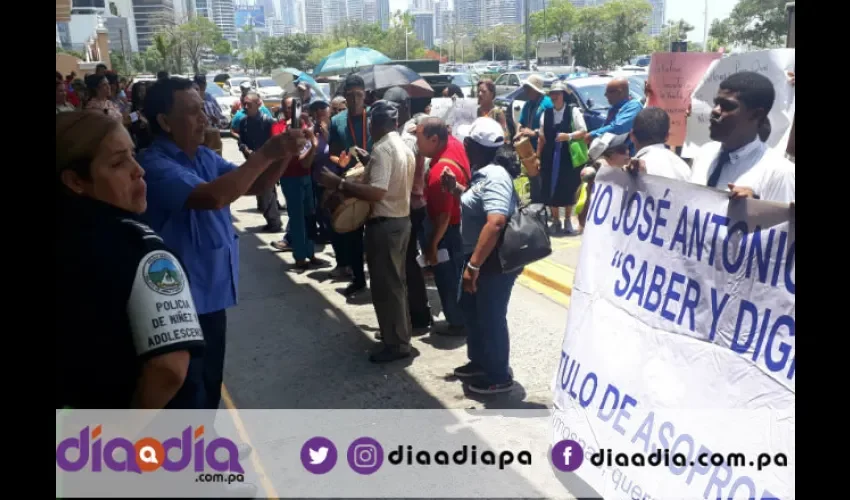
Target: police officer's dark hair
x=353 y=81
x=201 y=80
x=434 y=125
x=753 y=89
x=160 y=99
x=78 y=137
x=651 y=126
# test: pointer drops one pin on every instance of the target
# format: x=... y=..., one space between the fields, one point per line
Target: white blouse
x=578 y=118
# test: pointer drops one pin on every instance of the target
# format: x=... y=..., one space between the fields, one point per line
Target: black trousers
x=267 y=204
x=214 y=326
x=417 y=296
x=351 y=253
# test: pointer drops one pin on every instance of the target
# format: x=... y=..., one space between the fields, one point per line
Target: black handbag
x=524 y=240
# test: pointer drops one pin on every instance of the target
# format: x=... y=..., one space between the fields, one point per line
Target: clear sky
x=689 y=10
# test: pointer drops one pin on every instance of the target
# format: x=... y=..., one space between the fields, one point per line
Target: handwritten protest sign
x=455 y=112
x=673 y=77
x=774 y=64
x=681 y=340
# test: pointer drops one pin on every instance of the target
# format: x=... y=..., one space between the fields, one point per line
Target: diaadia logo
x=147 y=454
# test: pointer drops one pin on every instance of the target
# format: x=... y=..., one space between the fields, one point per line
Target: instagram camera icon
x=365 y=455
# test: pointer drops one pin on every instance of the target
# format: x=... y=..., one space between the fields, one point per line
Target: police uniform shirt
x=123 y=298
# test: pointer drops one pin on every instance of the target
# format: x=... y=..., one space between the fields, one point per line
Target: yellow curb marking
x=271 y=493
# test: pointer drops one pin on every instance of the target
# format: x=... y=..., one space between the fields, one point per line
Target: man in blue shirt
x=189 y=192
x=621 y=114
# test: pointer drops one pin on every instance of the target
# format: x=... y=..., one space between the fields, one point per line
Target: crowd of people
x=145 y=196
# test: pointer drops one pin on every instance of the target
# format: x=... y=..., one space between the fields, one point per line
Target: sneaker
x=488 y=388
x=388 y=354
x=555 y=227
x=469 y=370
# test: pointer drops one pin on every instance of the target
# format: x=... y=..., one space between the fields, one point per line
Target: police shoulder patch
x=160 y=308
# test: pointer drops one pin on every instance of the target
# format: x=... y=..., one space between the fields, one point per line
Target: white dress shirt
x=764 y=170
x=663 y=162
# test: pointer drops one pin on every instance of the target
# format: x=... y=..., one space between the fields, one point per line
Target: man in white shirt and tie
x=738 y=160
x=649 y=133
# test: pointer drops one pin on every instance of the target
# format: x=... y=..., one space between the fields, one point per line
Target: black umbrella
x=395 y=75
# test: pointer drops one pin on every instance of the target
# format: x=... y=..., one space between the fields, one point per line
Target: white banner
x=774 y=64
x=683 y=303
x=455 y=112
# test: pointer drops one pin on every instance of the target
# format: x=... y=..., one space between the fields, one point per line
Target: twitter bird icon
x=318 y=455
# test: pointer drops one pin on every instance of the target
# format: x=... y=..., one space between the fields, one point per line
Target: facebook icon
x=567 y=455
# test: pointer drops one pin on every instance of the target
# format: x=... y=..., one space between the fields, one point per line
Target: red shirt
x=437 y=199
x=295 y=169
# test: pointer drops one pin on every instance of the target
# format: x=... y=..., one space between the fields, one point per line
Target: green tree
x=196 y=36
x=77 y=54
x=759 y=23
x=506 y=41
x=720 y=34
x=287 y=51
x=626 y=20
x=559 y=18
x=672 y=31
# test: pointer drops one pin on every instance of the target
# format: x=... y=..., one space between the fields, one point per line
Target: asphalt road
x=295 y=342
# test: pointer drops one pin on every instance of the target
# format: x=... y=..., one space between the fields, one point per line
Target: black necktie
x=722 y=160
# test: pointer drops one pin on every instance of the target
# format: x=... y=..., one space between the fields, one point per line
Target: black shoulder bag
x=524 y=239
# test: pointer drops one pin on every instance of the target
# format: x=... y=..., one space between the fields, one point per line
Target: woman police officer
x=126 y=327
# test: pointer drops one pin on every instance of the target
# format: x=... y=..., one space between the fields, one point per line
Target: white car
x=224 y=100
x=268 y=89
x=234 y=84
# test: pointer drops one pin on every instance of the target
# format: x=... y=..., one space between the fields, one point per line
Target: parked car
x=270 y=92
x=508 y=82
x=235 y=82
x=439 y=82
x=589 y=95
x=224 y=100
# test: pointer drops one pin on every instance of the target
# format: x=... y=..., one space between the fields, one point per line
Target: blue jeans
x=486 y=313
x=298 y=192
x=447 y=274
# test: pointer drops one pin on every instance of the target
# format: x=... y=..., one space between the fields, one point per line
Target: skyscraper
x=383 y=13
x=314 y=22
x=423 y=27
x=151 y=16
x=657 y=18
x=334 y=12
x=224 y=16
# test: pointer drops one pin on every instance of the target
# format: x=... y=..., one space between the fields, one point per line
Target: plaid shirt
x=213 y=111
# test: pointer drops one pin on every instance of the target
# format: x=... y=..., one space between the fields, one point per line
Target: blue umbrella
x=345 y=60
x=288 y=78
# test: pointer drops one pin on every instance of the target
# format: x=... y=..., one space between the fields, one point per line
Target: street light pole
x=527 y=38
x=705 y=29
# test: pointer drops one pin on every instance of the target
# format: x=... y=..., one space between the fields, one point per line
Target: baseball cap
x=245 y=85
x=318 y=104
x=484 y=131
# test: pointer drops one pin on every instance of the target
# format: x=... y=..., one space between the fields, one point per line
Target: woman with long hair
x=117 y=277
